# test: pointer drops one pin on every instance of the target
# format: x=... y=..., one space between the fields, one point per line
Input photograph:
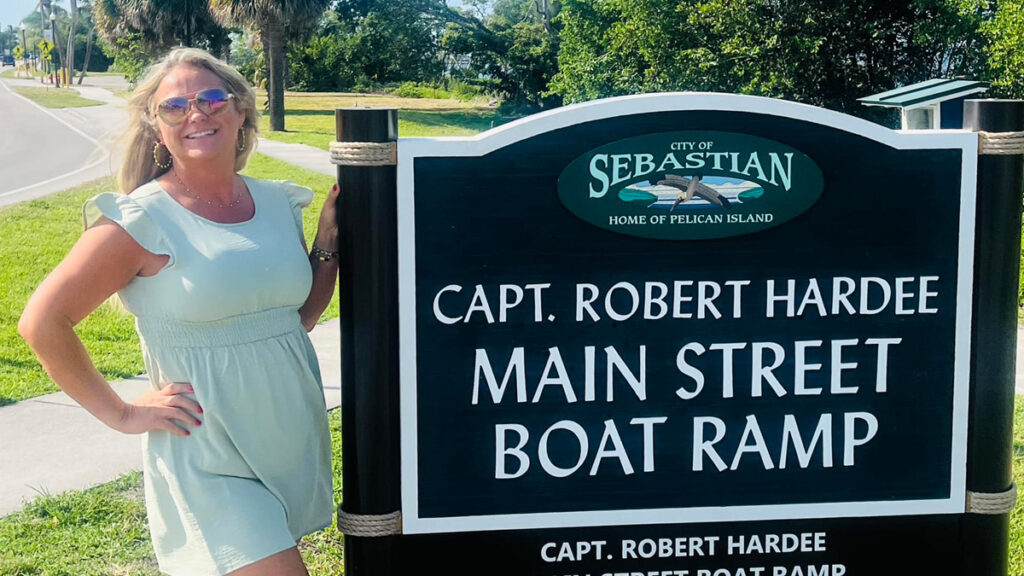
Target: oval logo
x=690 y=185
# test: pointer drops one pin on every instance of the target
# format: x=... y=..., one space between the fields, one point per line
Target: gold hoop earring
x=241 y=140
x=156 y=157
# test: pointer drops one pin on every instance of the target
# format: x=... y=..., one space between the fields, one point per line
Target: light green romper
x=223 y=315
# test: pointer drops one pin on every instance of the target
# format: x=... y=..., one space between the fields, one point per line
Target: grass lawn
x=309 y=118
x=56 y=97
x=36 y=235
x=102 y=531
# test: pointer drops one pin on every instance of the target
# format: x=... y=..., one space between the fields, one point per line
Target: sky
x=12 y=11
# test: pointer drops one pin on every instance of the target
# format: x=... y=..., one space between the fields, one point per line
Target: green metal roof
x=937 y=89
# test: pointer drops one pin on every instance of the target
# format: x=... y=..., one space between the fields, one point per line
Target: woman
x=213 y=264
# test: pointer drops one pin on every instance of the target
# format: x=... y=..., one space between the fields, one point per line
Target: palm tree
x=162 y=23
x=170 y=16
x=269 y=18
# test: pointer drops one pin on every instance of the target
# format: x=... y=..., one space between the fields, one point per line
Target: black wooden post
x=369 y=337
x=994 y=334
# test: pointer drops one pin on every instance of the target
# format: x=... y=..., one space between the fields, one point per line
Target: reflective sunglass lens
x=212 y=101
x=174 y=105
x=173 y=109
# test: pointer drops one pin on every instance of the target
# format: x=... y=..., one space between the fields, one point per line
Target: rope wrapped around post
x=370 y=525
x=1000 y=143
x=998 y=503
x=364 y=153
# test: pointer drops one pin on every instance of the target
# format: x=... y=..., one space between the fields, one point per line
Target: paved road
x=36 y=146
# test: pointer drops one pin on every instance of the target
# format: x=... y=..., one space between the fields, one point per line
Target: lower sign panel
x=863 y=547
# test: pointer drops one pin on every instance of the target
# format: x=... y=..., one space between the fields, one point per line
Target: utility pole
x=56 y=46
x=25 y=46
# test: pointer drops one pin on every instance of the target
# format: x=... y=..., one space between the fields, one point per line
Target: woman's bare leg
x=284 y=563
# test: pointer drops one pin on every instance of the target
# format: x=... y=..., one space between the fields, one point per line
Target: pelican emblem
x=691 y=187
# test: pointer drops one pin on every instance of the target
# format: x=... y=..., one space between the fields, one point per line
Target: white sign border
x=411 y=148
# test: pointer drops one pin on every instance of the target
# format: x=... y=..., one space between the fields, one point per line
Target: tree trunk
x=275 y=50
x=88 y=54
x=71 y=43
x=265 y=74
x=188 y=23
x=543 y=10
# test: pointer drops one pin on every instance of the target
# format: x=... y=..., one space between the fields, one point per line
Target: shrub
x=419 y=90
x=130 y=58
x=464 y=91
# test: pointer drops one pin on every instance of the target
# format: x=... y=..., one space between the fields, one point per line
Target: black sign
x=680 y=309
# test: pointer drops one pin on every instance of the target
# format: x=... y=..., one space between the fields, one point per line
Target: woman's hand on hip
x=164 y=409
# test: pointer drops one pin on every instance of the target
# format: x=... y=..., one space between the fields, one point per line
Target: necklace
x=196 y=196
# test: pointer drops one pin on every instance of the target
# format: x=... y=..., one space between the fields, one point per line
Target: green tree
x=131 y=57
x=247 y=57
x=270 y=18
x=84 y=34
x=819 y=52
x=364 y=43
x=87 y=28
x=158 y=25
x=8 y=39
x=395 y=40
x=516 y=45
x=1006 y=50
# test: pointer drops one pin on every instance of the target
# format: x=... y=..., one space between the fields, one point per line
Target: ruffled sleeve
x=129 y=215
x=299 y=197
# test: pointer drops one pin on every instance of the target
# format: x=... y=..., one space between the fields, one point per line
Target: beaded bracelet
x=323 y=255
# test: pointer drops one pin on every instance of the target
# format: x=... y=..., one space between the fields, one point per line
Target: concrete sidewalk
x=300 y=155
x=50 y=444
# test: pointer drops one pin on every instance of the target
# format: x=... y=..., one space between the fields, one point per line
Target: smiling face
x=200 y=138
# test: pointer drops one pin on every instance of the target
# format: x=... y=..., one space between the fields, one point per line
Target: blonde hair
x=139 y=165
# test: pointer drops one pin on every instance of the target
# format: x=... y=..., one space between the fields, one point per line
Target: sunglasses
x=211 y=102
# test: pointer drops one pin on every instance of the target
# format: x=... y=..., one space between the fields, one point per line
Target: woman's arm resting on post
x=325 y=274
x=104 y=259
